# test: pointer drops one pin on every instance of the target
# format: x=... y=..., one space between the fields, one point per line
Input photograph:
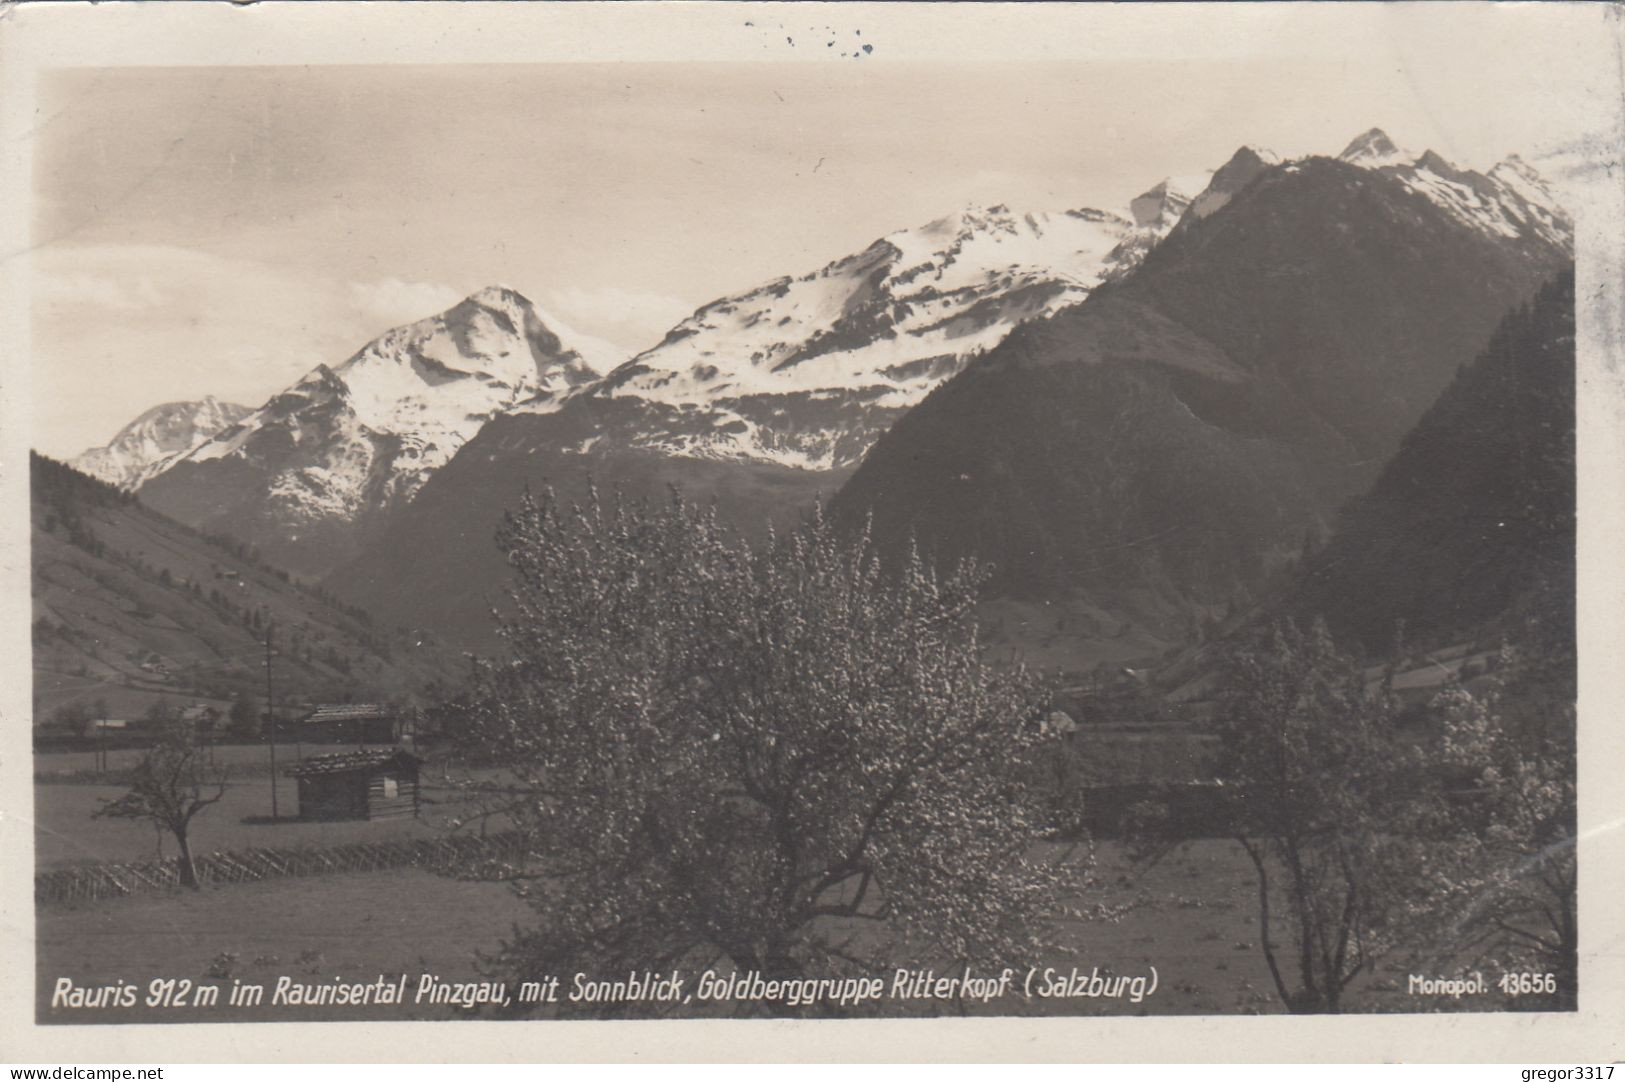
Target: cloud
x=391 y=301
x=121 y=327
x=118 y=328
x=70 y=291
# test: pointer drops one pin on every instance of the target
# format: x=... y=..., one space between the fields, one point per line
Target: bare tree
x=784 y=757
x=169 y=789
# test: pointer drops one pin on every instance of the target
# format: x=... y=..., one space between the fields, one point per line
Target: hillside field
x=131 y=609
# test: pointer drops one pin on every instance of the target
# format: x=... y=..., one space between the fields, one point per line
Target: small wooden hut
x=381 y=783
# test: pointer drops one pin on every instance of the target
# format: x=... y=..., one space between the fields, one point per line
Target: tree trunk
x=184 y=862
x=1308 y=1001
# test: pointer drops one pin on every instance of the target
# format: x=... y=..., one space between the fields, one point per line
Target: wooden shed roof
x=347 y=712
x=349 y=761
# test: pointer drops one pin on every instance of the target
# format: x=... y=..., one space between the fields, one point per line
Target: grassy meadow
x=66 y=831
x=1192 y=915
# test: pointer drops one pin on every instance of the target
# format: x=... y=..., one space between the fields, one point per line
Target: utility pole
x=270 y=716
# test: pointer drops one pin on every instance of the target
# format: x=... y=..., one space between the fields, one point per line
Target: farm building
x=378 y=784
x=201 y=718
x=111 y=727
x=352 y=723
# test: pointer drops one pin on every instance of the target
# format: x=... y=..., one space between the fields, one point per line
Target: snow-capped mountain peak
x=1245 y=164
x=1373 y=149
x=495 y=336
x=804 y=371
x=1523 y=178
x=432 y=383
x=159 y=434
x=1511 y=201
x=886 y=325
x=356 y=438
x=1162 y=204
x=499 y=295
x=868 y=336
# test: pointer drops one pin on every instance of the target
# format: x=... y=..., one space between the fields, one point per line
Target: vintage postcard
x=544 y=530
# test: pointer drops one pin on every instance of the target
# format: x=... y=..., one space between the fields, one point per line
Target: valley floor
x=66 y=832
x=1191 y=915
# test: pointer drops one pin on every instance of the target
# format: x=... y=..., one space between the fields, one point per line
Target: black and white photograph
x=819 y=513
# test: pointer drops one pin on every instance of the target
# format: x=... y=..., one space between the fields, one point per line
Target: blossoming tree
x=780 y=757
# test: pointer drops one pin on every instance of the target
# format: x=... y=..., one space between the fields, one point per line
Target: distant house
x=110 y=727
x=352 y=723
x=200 y=718
x=376 y=784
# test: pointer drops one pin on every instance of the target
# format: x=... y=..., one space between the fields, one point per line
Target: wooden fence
x=458 y=853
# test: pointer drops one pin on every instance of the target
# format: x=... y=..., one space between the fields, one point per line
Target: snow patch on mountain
x=805 y=371
x=1373 y=150
x=755 y=375
x=163 y=432
x=369 y=432
x=766 y=374
x=1234 y=175
x=1511 y=201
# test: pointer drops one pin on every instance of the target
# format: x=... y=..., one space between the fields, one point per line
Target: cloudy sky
x=224 y=229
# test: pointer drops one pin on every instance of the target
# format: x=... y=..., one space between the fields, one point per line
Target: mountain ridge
x=1161 y=447
x=314 y=472
x=310 y=471
x=875 y=329
x=795 y=381
x=1474 y=516
x=134 y=609
x=145 y=446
